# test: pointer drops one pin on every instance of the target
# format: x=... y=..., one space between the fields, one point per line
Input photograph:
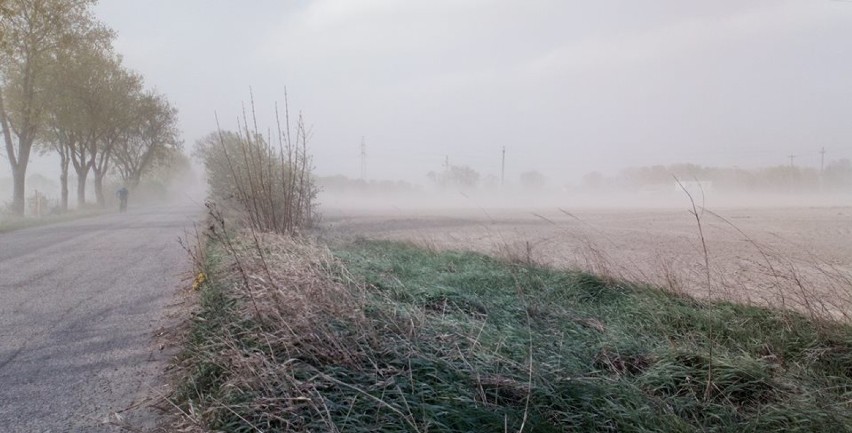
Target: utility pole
x=447 y=162
x=792 y=157
x=822 y=160
x=503 y=168
x=363 y=159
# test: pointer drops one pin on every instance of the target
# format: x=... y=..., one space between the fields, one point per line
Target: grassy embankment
x=12 y=223
x=380 y=336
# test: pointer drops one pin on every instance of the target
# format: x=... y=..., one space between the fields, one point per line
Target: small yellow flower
x=198 y=281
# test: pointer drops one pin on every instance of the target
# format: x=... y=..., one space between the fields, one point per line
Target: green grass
x=461 y=342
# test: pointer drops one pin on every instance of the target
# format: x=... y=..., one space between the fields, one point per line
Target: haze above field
x=566 y=87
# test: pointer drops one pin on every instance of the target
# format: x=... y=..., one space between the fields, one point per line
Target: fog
x=295 y=170
x=567 y=88
x=437 y=200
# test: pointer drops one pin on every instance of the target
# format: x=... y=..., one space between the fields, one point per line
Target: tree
x=459 y=176
x=594 y=180
x=838 y=174
x=78 y=113
x=638 y=177
x=113 y=118
x=33 y=32
x=533 y=180
x=152 y=138
x=67 y=83
x=173 y=166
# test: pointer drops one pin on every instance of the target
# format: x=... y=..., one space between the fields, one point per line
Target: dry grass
x=286 y=300
x=391 y=337
x=739 y=264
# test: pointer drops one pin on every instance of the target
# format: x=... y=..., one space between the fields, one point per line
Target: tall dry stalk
x=270 y=184
x=694 y=212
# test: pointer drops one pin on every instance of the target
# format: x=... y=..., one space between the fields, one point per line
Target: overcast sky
x=566 y=86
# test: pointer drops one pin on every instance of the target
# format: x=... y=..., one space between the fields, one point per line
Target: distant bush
x=837 y=177
x=455 y=176
x=533 y=180
x=344 y=185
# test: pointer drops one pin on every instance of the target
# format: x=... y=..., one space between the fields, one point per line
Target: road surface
x=79 y=304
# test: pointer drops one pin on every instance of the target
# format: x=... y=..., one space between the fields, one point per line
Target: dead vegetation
x=741 y=259
x=264 y=182
x=380 y=336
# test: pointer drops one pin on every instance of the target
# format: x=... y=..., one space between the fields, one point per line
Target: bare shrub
x=267 y=179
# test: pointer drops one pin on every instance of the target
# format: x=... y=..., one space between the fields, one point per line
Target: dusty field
x=789 y=257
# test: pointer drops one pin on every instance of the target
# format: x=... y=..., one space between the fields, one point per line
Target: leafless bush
x=267 y=179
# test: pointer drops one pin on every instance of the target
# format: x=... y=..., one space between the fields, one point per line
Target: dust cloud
x=775 y=247
x=621 y=192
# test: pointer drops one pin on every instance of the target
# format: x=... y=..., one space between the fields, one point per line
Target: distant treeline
x=344 y=185
x=65 y=90
x=835 y=177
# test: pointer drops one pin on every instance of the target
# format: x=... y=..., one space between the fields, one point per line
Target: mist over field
x=574 y=92
x=622 y=191
x=567 y=88
x=426 y=215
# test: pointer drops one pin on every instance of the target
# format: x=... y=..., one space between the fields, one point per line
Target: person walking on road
x=122 y=194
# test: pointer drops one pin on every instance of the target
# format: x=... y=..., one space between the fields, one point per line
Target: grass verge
x=10 y=224
x=381 y=336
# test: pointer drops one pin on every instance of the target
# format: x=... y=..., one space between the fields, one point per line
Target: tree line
x=65 y=90
x=836 y=176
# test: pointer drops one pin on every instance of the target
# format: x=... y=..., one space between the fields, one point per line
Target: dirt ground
x=792 y=257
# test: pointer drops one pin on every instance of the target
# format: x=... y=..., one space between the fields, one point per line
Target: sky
x=566 y=86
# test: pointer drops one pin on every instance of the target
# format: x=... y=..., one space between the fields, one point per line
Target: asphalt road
x=80 y=303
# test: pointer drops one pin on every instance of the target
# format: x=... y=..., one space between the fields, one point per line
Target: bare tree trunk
x=17 y=161
x=81 y=189
x=99 y=189
x=100 y=167
x=63 y=182
x=133 y=182
x=19 y=177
